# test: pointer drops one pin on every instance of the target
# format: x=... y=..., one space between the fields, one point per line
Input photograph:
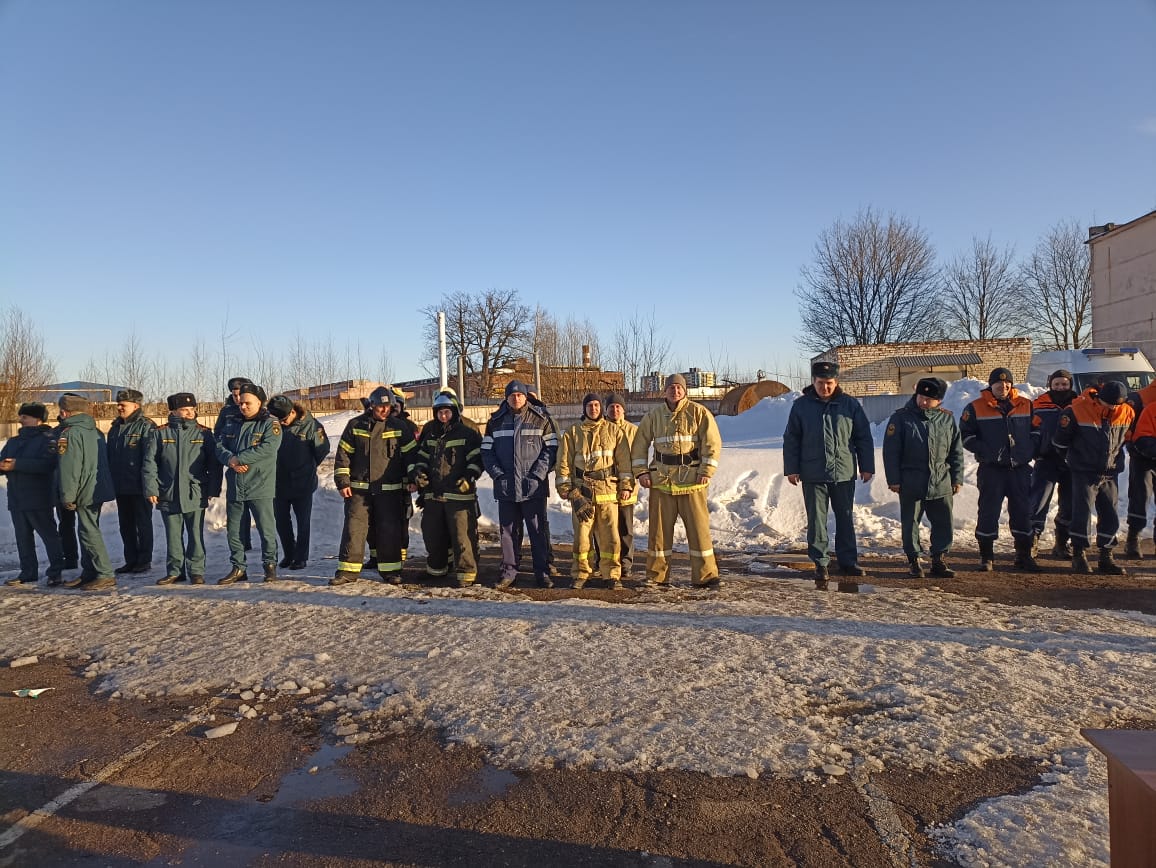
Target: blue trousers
x=1047 y=478
x=1141 y=483
x=997 y=483
x=1094 y=491
x=837 y=497
x=511 y=516
x=42 y=523
x=294 y=544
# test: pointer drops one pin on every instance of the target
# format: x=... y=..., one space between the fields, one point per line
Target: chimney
x=586 y=355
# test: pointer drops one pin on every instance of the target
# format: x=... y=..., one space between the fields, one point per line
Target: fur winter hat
x=280 y=407
x=931 y=387
x=130 y=395
x=181 y=399
x=34 y=409
x=70 y=402
x=237 y=382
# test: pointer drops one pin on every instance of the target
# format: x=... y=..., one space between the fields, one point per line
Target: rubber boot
x=1108 y=565
x=916 y=570
x=1080 y=563
x=986 y=555
x=940 y=569
x=1024 y=559
x=1063 y=545
x=1132 y=546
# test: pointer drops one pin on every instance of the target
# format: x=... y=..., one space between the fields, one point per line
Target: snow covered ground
x=765 y=676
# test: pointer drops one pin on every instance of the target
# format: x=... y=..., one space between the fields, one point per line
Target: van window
x=1134 y=380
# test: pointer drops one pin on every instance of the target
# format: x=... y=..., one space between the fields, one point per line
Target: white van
x=1091 y=365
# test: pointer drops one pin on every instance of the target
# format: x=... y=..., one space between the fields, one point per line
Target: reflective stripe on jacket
x=1092 y=435
x=180 y=467
x=253 y=442
x=594 y=454
x=687 y=433
x=374 y=455
x=998 y=432
x=518 y=451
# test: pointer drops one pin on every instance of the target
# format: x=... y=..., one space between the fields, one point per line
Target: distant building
x=560 y=384
x=345 y=390
x=880 y=369
x=98 y=393
x=655 y=381
x=1124 y=284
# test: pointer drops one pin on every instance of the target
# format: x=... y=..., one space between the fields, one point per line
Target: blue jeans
x=511 y=516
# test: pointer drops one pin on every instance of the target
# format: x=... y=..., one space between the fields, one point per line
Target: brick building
x=880 y=369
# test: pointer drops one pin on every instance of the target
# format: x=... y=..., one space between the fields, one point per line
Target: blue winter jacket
x=180 y=467
x=304 y=445
x=825 y=440
x=518 y=450
x=126 y=441
x=30 y=480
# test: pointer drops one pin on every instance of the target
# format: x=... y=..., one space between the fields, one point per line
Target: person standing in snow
x=28 y=460
x=923 y=460
x=85 y=485
x=826 y=442
x=128 y=435
x=1049 y=473
x=304 y=445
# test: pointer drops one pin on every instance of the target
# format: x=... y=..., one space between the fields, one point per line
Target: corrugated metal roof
x=942 y=361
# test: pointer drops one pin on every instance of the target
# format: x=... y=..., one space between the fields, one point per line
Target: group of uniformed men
x=270 y=449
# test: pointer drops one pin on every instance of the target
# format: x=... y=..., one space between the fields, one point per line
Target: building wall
x=870 y=369
x=1124 y=286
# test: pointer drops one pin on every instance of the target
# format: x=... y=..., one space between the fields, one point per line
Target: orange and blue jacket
x=1144 y=434
x=1046 y=410
x=1092 y=435
x=998 y=432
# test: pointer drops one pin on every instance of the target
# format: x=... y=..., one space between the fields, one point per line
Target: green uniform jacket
x=594 y=454
x=82 y=462
x=923 y=452
x=253 y=442
x=687 y=437
x=826 y=440
x=180 y=466
x=126 y=443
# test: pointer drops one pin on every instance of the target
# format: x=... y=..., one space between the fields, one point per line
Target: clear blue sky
x=333 y=167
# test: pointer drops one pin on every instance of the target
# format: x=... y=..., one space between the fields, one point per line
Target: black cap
x=517 y=386
x=34 y=409
x=1062 y=372
x=280 y=406
x=931 y=387
x=248 y=388
x=131 y=395
x=1000 y=375
x=182 y=399
x=825 y=370
x=1113 y=392
x=237 y=382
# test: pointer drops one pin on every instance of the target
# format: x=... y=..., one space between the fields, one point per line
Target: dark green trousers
x=938 y=512
x=262 y=511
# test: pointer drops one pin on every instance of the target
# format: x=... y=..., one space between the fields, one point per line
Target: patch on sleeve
x=61 y=445
x=966 y=415
x=1065 y=420
x=890 y=429
x=277 y=428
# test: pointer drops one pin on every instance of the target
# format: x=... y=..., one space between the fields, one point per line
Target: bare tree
x=1057 y=281
x=873 y=281
x=133 y=368
x=24 y=365
x=639 y=348
x=982 y=290
x=483 y=329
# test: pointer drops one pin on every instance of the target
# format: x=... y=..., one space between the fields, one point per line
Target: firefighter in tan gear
x=686 y=451
x=593 y=473
x=615 y=412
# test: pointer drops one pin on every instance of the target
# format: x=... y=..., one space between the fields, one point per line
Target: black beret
x=130 y=395
x=931 y=387
x=825 y=370
x=253 y=389
x=280 y=406
x=34 y=409
x=1000 y=375
x=181 y=399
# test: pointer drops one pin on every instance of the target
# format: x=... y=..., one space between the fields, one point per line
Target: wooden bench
x=1131 y=757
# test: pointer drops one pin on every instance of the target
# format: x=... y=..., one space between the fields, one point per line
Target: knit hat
x=131 y=395
x=34 y=409
x=181 y=399
x=615 y=398
x=586 y=399
x=517 y=386
x=931 y=387
x=675 y=380
x=825 y=370
x=248 y=388
x=70 y=402
x=280 y=406
x=1113 y=392
x=237 y=382
x=1000 y=375
x=1062 y=372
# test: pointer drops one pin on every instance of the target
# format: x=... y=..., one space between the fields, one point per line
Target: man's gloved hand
x=421 y=480
x=464 y=484
x=583 y=508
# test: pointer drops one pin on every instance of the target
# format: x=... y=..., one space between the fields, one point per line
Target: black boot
x=1035 y=543
x=235 y=575
x=986 y=555
x=1108 y=565
x=1063 y=546
x=1080 y=563
x=940 y=569
x=1024 y=559
x=916 y=570
x=1132 y=546
x=821 y=577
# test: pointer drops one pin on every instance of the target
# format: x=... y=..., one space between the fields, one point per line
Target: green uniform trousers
x=94 y=559
x=692 y=509
x=262 y=512
x=185 y=539
x=938 y=512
